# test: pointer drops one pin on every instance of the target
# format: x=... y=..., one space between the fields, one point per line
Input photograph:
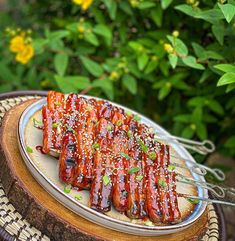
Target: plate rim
x=29 y=163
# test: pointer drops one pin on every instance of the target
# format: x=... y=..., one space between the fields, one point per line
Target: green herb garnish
x=36 y=123
x=57 y=103
x=67 y=188
x=139 y=178
x=192 y=200
x=133 y=170
x=106 y=180
x=125 y=155
x=162 y=183
x=54 y=125
x=96 y=146
x=119 y=123
x=171 y=167
x=129 y=133
x=144 y=148
x=136 y=118
x=78 y=197
x=128 y=113
x=29 y=149
x=148 y=223
x=152 y=155
x=109 y=127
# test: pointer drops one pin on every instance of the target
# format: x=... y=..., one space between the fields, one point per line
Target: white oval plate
x=44 y=168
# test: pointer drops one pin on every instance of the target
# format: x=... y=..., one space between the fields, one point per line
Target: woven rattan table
x=14 y=227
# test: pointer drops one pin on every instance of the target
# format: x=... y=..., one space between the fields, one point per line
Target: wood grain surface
x=45 y=212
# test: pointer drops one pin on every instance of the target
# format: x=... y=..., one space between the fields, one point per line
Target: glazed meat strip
x=101 y=187
x=53 y=122
x=152 y=203
x=68 y=158
x=121 y=159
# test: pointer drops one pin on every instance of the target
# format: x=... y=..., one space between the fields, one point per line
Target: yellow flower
x=81 y=29
x=168 y=48
x=85 y=4
x=17 y=44
x=25 y=54
x=114 y=75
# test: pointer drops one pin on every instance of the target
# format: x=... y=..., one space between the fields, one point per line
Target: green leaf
x=199 y=50
x=218 y=31
x=151 y=66
x=156 y=15
x=225 y=67
x=39 y=44
x=166 y=3
x=106 y=85
x=230 y=143
x=215 y=106
x=130 y=83
x=179 y=45
x=106 y=180
x=187 y=9
x=91 y=38
x=192 y=62
x=92 y=67
x=142 y=60
x=228 y=11
x=104 y=31
x=201 y=131
x=230 y=87
x=69 y=84
x=58 y=34
x=227 y=78
x=164 y=91
x=188 y=132
x=173 y=60
x=112 y=8
x=197 y=114
x=146 y=4
x=133 y=170
x=61 y=63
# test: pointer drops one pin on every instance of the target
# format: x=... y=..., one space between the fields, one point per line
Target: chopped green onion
x=109 y=127
x=139 y=178
x=125 y=155
x=148 y=223
x=29 y=149
x=96 y=146
x=192 y=200
x=171 y=167
x=67 y=188
x=78 y=197
x=144 y=148
x=133 y=170
x=162 y=183
x=128 y=113
x=55 y=125
x=106 y=180
x=57 y=103
x=36 y=122
x=119 y=123
x=136 y=118
x=129 y=133
x=152 y=155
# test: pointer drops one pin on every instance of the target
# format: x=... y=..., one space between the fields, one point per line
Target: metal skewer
x=208 y=200
x=203 y=147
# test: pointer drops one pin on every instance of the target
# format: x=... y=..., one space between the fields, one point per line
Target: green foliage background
x=117 y=48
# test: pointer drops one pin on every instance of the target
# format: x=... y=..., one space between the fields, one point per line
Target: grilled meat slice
x=47 y=129
x=101 y=187
x=68 y=158
x=121 y=159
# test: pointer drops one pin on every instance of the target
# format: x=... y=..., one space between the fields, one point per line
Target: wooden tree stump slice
x=46 y=213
